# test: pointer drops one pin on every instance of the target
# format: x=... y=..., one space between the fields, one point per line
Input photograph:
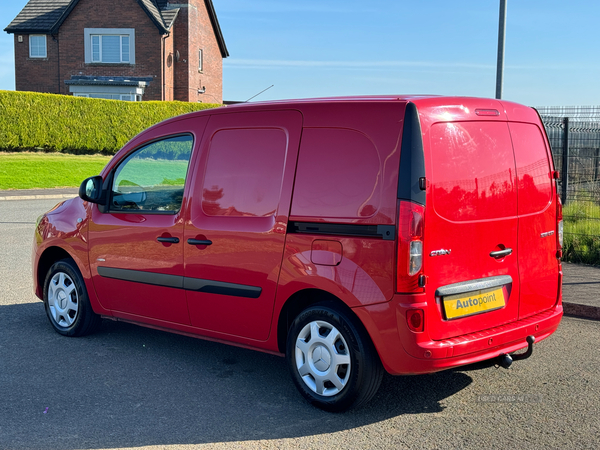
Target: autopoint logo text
x=479 y=300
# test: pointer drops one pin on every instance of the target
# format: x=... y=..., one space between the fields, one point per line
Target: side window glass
x=152 y=178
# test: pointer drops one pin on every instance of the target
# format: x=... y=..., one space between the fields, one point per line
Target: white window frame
x=127 y=32
x=200 y=60
x=45 y=55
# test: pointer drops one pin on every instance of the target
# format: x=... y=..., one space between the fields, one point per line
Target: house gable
x=44 y=16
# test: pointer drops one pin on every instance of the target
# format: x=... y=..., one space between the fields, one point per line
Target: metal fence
x=574 y=134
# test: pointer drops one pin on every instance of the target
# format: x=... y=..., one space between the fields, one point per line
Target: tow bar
x=505 y=360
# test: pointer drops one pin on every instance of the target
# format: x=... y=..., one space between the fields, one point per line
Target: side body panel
x=346 y=182
x=242 y=189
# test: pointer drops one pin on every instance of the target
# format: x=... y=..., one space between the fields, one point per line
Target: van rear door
x=538 y=265
x=470 y=242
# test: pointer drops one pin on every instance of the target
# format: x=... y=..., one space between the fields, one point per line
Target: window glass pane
x=37 y=46
x=125 y=48
x=106 y=96
x=153 y=177
x=96 y=48
x=111 y=49
x=244 y=173
x=200 y=60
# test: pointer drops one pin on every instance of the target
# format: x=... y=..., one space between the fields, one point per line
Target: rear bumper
x=405 y=352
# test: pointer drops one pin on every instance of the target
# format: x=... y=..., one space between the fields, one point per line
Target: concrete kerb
x=581 y=284
x=39 y=194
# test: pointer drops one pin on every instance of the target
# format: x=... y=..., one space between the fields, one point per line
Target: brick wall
x=36 y=74
x=111 y=14
x=193 y=31
x=169 y=66
x=181 y=77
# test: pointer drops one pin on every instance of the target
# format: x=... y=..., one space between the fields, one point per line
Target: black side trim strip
x=385 y=232
x=137 y=276
x=218 y=287
x=179 y=282
x=473 y=285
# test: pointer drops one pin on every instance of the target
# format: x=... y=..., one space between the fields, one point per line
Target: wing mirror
x=91 y=190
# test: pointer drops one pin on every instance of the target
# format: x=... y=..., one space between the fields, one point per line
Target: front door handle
x=501 y=253
x=199 y=242
x=168 y=240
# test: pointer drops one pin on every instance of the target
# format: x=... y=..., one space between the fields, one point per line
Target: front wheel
x=332 y=361
x=67 y=304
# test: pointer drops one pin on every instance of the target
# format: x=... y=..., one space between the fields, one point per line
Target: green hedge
x=63 y=123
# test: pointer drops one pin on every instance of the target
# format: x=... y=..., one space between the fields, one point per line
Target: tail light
x=410 y=246
x=559 y=226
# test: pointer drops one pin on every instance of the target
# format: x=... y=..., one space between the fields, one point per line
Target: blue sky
x=316 y=48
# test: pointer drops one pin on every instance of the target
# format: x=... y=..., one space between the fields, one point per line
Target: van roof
x=445 y=108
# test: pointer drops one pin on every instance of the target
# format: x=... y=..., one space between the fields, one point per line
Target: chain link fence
x=574 y=134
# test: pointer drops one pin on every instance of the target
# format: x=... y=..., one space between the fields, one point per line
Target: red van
x=352 y=235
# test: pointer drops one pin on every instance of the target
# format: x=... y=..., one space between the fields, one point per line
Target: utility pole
x=500 y=63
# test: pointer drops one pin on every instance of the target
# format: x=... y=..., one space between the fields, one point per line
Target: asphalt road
x=128 y=386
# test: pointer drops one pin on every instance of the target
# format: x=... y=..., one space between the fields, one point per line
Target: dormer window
x=109 y=45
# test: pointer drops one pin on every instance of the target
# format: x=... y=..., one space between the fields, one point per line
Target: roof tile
x=38 y=15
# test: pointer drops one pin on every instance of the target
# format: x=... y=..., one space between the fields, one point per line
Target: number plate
x=476 y=302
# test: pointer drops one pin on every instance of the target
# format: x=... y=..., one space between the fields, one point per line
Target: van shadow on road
x=129 y=386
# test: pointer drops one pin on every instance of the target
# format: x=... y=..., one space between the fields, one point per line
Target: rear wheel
x=67 y=304
x=332 y=361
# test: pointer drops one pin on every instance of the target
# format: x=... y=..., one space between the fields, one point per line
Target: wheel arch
x=303 y=299
x=47 y=258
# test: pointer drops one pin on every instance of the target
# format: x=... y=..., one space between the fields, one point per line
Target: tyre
x=67 y=304
x=332 y=361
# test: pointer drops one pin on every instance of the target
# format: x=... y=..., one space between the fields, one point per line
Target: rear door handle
x=169 y=240
x=199 y=242
x=501 y=253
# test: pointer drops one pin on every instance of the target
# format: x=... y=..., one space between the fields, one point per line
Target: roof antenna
x=259 y=93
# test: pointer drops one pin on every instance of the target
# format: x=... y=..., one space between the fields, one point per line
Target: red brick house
x=120 y=49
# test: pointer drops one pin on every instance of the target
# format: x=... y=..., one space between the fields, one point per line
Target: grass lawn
x=582 y=232
x=47 y=170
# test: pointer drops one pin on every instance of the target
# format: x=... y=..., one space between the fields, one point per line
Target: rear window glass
x=533 y=168
x=473 y=171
